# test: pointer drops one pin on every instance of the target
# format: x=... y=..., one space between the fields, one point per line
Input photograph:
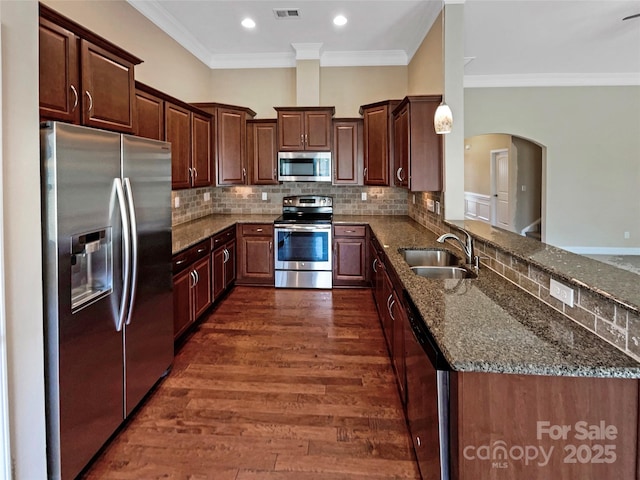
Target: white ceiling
x=507 y=42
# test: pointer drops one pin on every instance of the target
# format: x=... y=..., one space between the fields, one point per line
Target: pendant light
x=443 y=118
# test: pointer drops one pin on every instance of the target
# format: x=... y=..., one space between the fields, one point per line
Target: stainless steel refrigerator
x=107 y=282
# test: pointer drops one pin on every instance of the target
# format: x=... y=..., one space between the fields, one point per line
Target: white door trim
x=5 y=446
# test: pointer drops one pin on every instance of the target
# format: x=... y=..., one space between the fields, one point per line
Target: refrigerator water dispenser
x=91 y=267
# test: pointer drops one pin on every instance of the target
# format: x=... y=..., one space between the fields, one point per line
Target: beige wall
x=349 y=87
x=477 y=161
x=425 y=73
x=166 y=65
x=22 y=246
x=260 y=89
x=592 y=135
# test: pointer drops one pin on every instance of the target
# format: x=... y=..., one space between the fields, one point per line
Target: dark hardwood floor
x=273 y=385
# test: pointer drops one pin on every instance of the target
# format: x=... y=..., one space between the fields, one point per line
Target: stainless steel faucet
x=466 y=247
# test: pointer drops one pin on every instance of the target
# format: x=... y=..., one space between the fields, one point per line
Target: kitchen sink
x=443 y=272
x=427 y=258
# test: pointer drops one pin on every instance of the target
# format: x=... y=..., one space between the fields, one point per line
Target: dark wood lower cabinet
x=223 y=259
x=255 y=254
x=350 y=267
x=191 y=286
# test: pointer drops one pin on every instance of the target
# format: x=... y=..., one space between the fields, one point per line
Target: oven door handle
x=308 y=228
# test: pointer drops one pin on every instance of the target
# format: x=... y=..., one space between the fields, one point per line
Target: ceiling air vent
x=286 y=13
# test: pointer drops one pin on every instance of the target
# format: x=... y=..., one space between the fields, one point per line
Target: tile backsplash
x=248 y=199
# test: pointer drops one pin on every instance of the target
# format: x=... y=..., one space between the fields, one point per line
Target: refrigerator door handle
x=134 y=248
x=126 y=254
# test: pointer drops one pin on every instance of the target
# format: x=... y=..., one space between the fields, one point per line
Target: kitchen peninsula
x=507 y=352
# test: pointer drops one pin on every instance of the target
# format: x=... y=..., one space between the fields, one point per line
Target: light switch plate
x=561 y=292
x=264 y=195
x=207 y=196
x=176 y=202
x=364 y=196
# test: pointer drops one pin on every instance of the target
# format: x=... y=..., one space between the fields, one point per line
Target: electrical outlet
x=437 y=208
x=364 y=196
x=264 y=195
x=627 y=235
x=176 y=202
x=414 y=198
x=207 y=196
x=561 y=292
x=430 y=205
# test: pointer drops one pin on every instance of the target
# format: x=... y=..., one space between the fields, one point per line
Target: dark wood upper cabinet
x=262 y=151
x=418 y=148
x=59 y=73
x=378 y=142
x=84 y=78
x=304 y=128
x=347 y=151
x=149 y=116
x=230 y=139
x=178 y=132
x=201 y=150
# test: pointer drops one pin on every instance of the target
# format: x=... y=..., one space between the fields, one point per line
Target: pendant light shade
x=443 y=119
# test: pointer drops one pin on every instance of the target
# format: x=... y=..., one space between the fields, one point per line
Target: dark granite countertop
x=485 y=324
x=615 y=283
x=187 y=234
x=488 y=324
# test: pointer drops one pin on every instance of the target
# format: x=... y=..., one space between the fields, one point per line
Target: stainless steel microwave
x=304 y=166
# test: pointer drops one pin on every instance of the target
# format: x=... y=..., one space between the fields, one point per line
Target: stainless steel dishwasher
x=427 y=397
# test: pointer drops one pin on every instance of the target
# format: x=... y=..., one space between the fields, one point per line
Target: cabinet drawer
x=349 y=230
x=187 y=257
x=222 y=238
x=262 y=230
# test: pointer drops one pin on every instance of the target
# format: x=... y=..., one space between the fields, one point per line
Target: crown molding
x=166 y=22
x=372 y=58
x=553 y=80
x=253 y=60
x=307 y=51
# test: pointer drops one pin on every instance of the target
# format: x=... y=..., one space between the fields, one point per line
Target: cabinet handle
x=90 y=101
x=180 y=262
x=389 y=301
x=306 y=139
x=418 y=441
x=192 y=274
x=258 y=229
x=302 y=139
x=349 y=231
x=195 y=173
x=275 y=174
x=244 y=174
x=393 y=302
x=365 y=172
x=190 y=175
x=75 y=98
x=197 y=277
x=373 y=265
x=399 y=175
x=270 y=246
x=200 y=250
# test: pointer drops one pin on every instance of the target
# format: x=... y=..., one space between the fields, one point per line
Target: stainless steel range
x=303 y=256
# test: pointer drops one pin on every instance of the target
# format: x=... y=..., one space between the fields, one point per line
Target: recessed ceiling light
x=340 y=20
x=248 y=23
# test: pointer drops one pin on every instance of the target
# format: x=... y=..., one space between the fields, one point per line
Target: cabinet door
x=401 y=147
x=218 y=271
x=182 y=304
x=376 y=146
x=201 y=150
x=149 y=116
x=317 y=127
x=262 y=152
x=178 y=132
x=202 y=287
x=349 y=257
x=107 y=88
x=291 y=131
x=230 y=264
x=386 y=316
x=399 y=319
x=256 y=260
x=59 y=79
x=231 y=140
x=347 y=152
